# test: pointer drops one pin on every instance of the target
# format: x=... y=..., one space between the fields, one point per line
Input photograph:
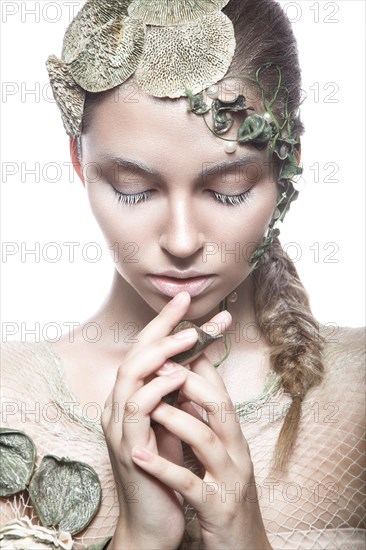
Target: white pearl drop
x=233 y=297
x=267 y=117
x=230 y=146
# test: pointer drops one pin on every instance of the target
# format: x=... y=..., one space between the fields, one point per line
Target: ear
x=75 y=159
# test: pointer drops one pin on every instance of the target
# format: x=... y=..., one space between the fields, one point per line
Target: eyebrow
x=217 y=167
x=212 y=168
x=129 y=164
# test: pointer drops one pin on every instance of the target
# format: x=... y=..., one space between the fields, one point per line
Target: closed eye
x=232 y=200
x=228 y=200
x=131 y=199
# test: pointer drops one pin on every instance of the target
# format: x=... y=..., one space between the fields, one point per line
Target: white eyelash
x=232 y=200
x=229 y=200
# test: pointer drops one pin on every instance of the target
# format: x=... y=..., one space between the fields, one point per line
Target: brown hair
x=264 y=35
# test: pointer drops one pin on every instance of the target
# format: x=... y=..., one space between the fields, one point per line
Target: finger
x=136 y=431
x=169 y=445
x=133 y=371
x=190 y=408
x=219 y=408
x=218 y=324
x=204 y=442
x=164 y=322
x=217 y=404
x=176 y=477
x=203 y=367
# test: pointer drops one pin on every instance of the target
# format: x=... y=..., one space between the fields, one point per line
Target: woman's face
x=168 y=197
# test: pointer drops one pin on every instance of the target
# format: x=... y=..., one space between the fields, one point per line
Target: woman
x=177 y=198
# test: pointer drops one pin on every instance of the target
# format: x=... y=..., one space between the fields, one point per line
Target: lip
x=170 y=286
x=176 y=274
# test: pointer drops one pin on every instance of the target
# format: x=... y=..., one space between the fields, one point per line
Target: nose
x=181 y=233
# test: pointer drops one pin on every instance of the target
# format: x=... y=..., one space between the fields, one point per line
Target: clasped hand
x=151 y=458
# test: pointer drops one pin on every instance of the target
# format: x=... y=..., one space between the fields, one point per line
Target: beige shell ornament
x=21 y=534
x=173 y=12
x=69 y=96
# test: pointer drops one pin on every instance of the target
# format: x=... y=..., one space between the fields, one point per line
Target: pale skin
x=169 y=230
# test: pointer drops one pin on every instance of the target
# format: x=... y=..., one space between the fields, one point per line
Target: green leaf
x=65 y=494
x=255 y=129
x=197 y=104
x=100 y=546
x=289 y=168
x=17 y=457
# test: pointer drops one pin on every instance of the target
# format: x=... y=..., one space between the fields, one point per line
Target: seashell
x=204 y=340
x=17 y=457
x=65 y=494
x=111 y=56
x=173 y=12
x=93 y=15
x=20 y=534
x=185 y=57
x=69 y=96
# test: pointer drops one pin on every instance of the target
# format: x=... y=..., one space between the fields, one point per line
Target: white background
x=324 y=231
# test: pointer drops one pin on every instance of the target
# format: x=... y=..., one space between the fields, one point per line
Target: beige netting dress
x=319 y=503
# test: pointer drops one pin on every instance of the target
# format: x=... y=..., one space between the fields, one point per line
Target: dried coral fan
x=173 y=12
x=109 y=41
x=191 y=56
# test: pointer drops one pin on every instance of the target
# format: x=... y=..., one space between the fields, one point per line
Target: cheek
x=118 y=223
x=249 y=222
x=242 y=230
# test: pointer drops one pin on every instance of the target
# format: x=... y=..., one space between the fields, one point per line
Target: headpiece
x=172 y=48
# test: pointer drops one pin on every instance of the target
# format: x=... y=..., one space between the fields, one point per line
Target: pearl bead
x=277 y=213
x=233 y=297
x=267 y=117
x=230 y=146
x=213 y=91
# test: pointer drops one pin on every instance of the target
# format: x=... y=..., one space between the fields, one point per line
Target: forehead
x=161 y=132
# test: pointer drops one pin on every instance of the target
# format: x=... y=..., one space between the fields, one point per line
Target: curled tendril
x=221 y=116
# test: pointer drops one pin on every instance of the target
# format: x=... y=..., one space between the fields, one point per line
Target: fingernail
x=180 y=297
x=186 y=334
x=141 y=454
x=167 y=367
x=223 y=316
